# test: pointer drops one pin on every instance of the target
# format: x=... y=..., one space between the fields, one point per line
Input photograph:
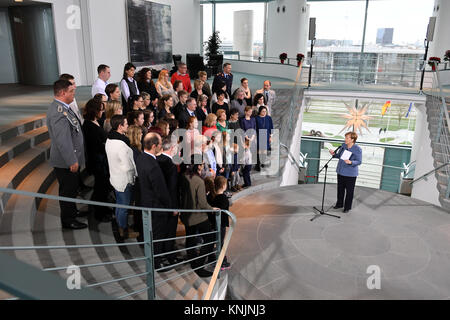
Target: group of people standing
x=126 y=138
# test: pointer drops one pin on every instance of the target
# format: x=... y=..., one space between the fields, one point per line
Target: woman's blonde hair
x=111 y=108
x=197 y=83
x=211 y=120
x=162 y=79
x=134 y=133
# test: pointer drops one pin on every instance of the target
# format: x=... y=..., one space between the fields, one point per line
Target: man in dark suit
x=181 y=105
x=170 y=173
x=66 y=150
x=154 y=193
x=225 y=76
x=186 y=113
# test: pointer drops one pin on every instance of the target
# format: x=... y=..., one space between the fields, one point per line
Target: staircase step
x=441 y=157
x=48 y=232
x=17 y=170
x=54 y=235
x=17 y=145
x=442 y=187
x=102 y=233
x=18 y=219
x=442 y=176
x=20 y=127
x=445 y=203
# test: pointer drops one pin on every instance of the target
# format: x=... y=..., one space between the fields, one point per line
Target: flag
x=385 y=107
x=409 y=110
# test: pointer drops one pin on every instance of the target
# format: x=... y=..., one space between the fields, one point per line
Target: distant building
x=385 y=36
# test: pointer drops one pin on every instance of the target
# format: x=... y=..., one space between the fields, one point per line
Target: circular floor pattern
x=278 y=253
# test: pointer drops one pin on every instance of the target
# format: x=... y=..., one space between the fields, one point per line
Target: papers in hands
x=346 y=155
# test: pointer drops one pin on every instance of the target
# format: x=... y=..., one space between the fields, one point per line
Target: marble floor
x=19 y=101
x=278 y=253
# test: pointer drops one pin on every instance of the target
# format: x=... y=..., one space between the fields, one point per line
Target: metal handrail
x=33 y=279
x=429 y=173
x=442 y=98
x=291 y=156
x=147 y=243
x=372 y=144
x=437 y=104
x=365 y=163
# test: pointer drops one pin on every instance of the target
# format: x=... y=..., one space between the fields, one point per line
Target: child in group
x=247 y=164
x=220 y=200
x=235 y=168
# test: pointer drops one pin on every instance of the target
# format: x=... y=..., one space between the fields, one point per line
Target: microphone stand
x=321 y=211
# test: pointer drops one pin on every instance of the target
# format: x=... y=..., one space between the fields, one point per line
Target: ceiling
x=9 y=3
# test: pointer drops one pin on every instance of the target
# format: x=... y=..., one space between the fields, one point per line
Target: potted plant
x=433 y=61
x=300 y=57
x=446 y=58
x=283 y=57
x=212 y=51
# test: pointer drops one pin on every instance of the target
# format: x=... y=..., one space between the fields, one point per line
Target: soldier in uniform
x=226 y=76
x=67 y=149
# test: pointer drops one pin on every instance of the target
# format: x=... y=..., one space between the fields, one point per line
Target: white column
x=287 y=31
x=441 y=41
x=243 y=32
x=425 y=190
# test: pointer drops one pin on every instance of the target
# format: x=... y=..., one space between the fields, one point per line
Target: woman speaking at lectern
x=350 y=157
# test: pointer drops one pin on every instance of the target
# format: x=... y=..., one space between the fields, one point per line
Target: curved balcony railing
x=220 y=250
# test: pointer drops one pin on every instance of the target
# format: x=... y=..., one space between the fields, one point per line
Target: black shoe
x=346 y=210
x=225 y=265
x=228 y=194
x=75 y=225
x=82 y=214
x=174 y=260
x=337 y=207
x=202 y=273
x=161 y=265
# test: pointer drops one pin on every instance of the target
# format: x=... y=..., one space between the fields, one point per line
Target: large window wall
x=384 y=49
x=378 y=42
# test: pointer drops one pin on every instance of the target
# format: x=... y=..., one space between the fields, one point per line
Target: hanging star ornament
x=357 y=118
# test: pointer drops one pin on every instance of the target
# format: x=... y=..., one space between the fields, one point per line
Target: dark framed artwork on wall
x=149 y=32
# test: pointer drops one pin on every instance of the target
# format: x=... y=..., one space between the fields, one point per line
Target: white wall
x=290 y=173
x=103 y=37
x=109 y=36
x=425 y=190
x=286 y=31
x=441 y=41
x=109 y=33
x=8 y=72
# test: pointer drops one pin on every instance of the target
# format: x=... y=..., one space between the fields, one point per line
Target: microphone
x=337 y=149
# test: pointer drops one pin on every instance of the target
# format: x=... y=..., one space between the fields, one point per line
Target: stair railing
x=148 y=258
